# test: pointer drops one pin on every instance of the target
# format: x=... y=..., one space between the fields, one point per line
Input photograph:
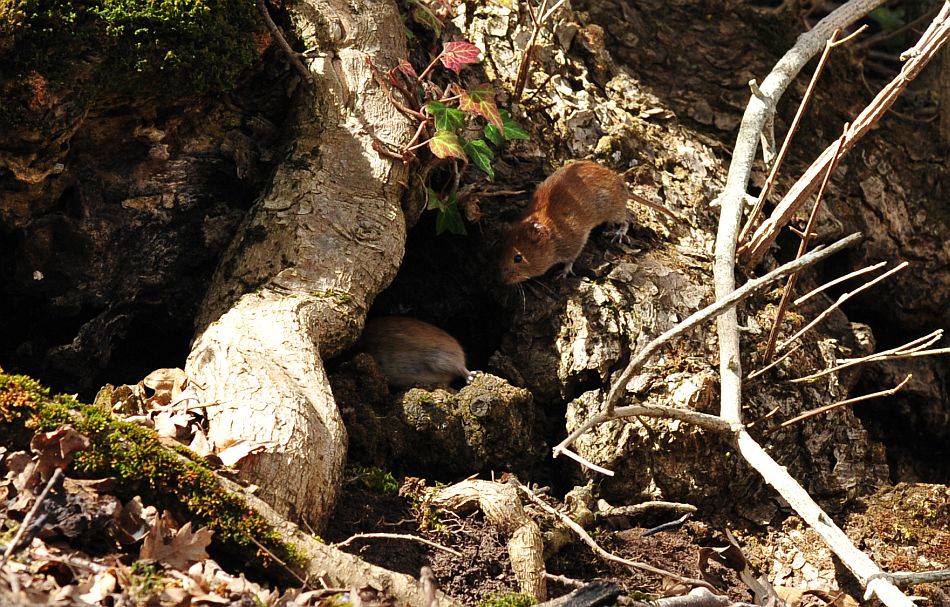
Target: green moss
x=508 y=599
x=140 y=464
x=102 y=48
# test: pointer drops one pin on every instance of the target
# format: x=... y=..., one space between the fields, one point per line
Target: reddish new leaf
x=445 y=144
x=406 y=68
x=481 y=100
x=456 y=55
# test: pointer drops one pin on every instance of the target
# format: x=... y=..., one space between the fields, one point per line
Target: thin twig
x=28 y=519
x=786 y=144
x=587 y=539
x=715 y=309
x=774 y=363
x=802 y=247
x=845 y=403
x=910 y=349
x=843 y=298
x=396 y=536
x=292 y=56
x=903 y=578
x=836 y=281
x=525 y=65
x=304 y=582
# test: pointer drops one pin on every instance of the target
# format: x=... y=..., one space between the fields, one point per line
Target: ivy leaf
x=449 y=219
x=445 y=144
x=481 y=155
x=481 y=100
x=446 y=118
x=494 y=135
x=512 y=129
x=406 y=68
x=456 y=55
x=433 y=202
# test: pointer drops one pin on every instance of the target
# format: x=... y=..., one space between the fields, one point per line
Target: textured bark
x=305 y=266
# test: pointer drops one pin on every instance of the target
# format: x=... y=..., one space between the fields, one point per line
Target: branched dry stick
x=792 y=129
x=845 y=403
x=731 y=201
x=931 y=42
x=802 y=247
x=395 y=536
x=913 y=348
x=587 y=539
x=843 y=298
x=723 y=305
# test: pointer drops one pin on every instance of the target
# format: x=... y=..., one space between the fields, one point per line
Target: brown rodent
x=411 y=352
x=564 y=209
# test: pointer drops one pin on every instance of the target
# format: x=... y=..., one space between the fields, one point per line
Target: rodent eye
x=519 y=258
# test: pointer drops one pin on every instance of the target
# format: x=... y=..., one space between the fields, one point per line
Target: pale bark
x=296 y=282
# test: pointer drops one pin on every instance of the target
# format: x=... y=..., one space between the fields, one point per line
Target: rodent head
x=528 y=252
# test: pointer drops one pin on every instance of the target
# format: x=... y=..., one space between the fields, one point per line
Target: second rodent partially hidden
x=411 y=352
x=564 y=209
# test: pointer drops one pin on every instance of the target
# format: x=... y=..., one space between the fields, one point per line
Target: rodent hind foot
x=567 y=270
x=619 y=234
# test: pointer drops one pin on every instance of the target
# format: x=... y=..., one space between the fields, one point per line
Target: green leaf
x=494 y=135
x=446 y=118
x=481 y=155
x=445 y=144
x=433 y=202
x=481 y=100
x=513 y=130
x=449 y=219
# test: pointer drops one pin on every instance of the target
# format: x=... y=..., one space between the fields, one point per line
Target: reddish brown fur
x=411 y=352
x=565 y=208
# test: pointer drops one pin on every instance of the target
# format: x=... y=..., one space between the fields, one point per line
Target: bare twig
x=843 y=298
x=537 y=19
x=303 y=581
x=396 y=536
x=28 y=519
x=587 y=539
x=915 y=347
x=802 y=247
x=845 y=403
x=292 y=56
x=931 y=42
x=774 y=363
x=836 y=281
x=726 y=302
x=902 y=578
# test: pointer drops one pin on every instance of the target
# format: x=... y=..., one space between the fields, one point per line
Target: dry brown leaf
x=97 y=587
x=200 y=444
x=168 y=423
x=55 y=449
x=178 y=549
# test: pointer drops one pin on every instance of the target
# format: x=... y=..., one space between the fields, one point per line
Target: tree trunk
x=296 y=282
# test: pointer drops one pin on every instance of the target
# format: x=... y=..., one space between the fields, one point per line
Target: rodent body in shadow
x=411 y=352
x=564 y=209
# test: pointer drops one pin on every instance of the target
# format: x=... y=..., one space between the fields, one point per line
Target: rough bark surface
x=313 y=253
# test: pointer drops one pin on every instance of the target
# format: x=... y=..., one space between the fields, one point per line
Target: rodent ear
x=537 y=231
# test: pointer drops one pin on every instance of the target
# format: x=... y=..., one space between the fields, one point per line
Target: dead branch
x=697 y=597
x=587 y=539
x=928 y=45
x=845 y=403
x=924 y=577
x=760 y=110
x=843 y=298
x=292 y=56
x=724 y=303
x=915 y=347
